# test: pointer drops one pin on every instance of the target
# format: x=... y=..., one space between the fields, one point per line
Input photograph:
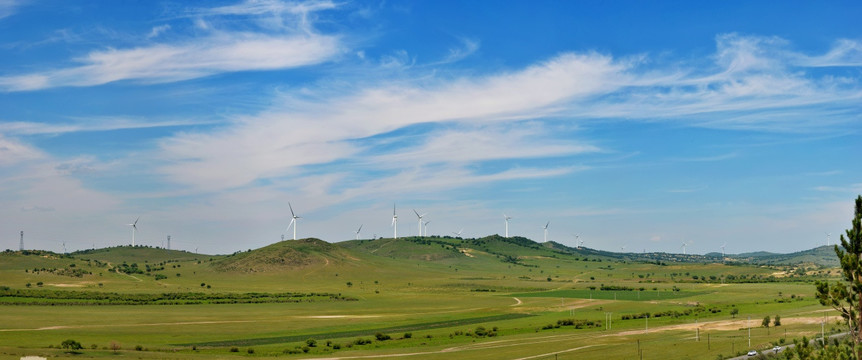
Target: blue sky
x=633 y=124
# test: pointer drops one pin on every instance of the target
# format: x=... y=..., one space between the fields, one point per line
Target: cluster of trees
x=56 y=297
x=674 y=313
x=576 y=323
x=70 y=271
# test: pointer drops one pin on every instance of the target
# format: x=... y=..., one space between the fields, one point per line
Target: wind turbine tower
x=134 y=226
x=722 y=250
x=546 y=230
x=425 y=224
x=507 y=223
x=420 y=220
x=21 y=246
x=358 y=231
x=828 y=235
x=684 y=244
x=293 y=220
x=394 y=223
x=169 y=242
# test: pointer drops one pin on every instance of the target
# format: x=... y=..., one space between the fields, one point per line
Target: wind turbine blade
x=417 y=214
x=360 y=229
x=393 y=222
x=291 y=209
x=136 y=221
x=393 y=209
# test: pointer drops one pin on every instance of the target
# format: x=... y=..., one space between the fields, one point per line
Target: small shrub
x=408 y=335
x=305 y=349
x=250 y=351
x=382 y=336
x=139 y=348
x=234 y=349
x=71 y=345
x=311 y=342
x=336 y=346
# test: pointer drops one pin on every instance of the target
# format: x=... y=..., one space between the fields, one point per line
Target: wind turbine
x=722 y=250
x=134 y=226
x=579 y=242
x=394 y=222
x=622 y=248
x=546 y=230
x=293 y=221
x=420 y=220
x=684 y=244
x=507 y=223
x=828 y=235
x=458 y=234
x=426 y=227
x=357 y=232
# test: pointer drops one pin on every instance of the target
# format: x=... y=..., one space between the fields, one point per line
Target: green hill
x=140 y=254
x=822 y=256
x=286 y=255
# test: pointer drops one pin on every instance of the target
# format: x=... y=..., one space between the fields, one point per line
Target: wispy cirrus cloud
x=92 y=124
x=320 y=132
x=753 y=85
x=9 y=7
x=289 y=44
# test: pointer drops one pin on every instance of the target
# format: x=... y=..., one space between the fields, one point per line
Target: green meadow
x=413 y=298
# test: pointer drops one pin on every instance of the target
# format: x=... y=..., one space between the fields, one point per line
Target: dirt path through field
x=519 y=302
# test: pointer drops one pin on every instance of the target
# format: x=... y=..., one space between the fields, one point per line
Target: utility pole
x=697 y=331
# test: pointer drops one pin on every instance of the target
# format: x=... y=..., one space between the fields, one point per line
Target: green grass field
x=407 y=298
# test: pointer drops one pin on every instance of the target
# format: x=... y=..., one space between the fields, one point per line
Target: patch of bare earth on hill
x=67 y=285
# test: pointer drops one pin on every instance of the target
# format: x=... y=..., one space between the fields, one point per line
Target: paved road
x=785 y=347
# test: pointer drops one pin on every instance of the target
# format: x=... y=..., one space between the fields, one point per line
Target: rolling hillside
x=286 y=255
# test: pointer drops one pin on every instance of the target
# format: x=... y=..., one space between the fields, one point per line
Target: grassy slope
x=401 y=283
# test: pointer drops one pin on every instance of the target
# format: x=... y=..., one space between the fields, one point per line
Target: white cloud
x=844 y=52
x=468 y=144
x=850 y=189
x=221 y=52
x=91 y=124
x=276 y=143
x=13 y=152
x=158 y=30
x=753 y=85
x=217 y=51
x=9 y=7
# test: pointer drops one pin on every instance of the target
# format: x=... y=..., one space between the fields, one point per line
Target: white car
x=776 y=349
x=752 y=353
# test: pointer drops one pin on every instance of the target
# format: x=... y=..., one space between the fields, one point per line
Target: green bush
x=71 y=345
